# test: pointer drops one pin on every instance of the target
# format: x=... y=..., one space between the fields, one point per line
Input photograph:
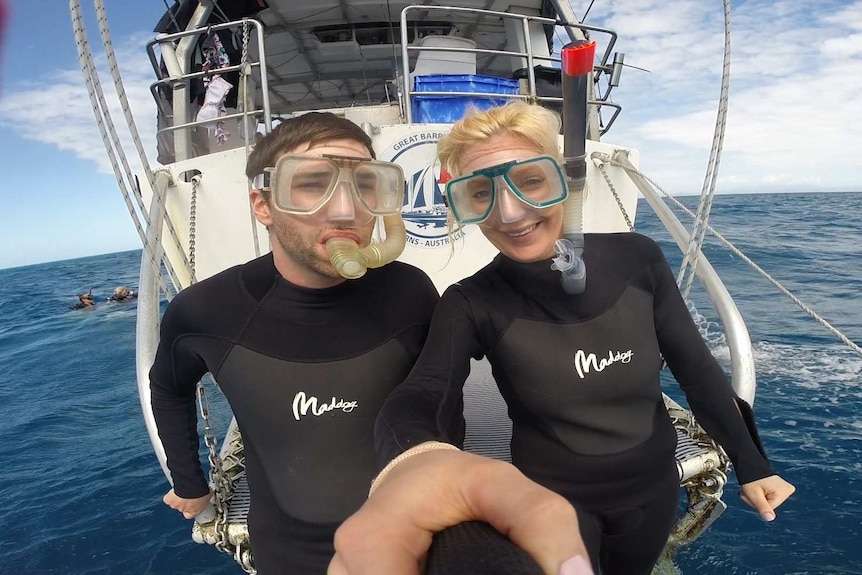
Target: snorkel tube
x=577 y=65
x=352 y=262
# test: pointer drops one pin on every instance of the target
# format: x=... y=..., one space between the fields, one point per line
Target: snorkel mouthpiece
x=577 y=65
x=344 y=257
x=351 y=261
x=571 y=265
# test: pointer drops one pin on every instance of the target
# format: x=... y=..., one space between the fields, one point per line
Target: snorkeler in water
x=85 y=300
x=122 y=293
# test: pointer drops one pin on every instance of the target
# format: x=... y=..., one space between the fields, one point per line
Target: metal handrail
x=148 y=314
x=407 y=89
x=168 y=129
x=743 y=377
x=165 y=40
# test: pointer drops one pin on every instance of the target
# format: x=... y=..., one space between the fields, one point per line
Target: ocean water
x=82 y=490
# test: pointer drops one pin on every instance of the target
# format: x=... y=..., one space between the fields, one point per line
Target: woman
x=580 y=373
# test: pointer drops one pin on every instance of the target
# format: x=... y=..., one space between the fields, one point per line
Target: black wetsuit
x=580 y=375
x=305 y=372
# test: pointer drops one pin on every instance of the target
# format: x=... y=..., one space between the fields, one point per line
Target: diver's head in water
x=121 y=293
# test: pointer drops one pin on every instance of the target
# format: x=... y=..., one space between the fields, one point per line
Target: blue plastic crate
x=448 y=109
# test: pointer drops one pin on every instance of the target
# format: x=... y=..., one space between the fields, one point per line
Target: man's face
x=299 y=241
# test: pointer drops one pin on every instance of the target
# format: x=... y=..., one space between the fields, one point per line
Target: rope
x=133 y=130
x=106 y=125
x=698 y=231
x=804 y=307
x=217 y=475
x=173 y=18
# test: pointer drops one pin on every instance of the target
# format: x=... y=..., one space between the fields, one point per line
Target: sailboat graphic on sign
x=423 y=201
x=424 y=212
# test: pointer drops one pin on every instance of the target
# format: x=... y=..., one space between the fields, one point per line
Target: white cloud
x=794 y=119
x=55 y=108
x=794 y=116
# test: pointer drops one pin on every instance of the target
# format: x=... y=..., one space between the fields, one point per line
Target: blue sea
x=81 y=489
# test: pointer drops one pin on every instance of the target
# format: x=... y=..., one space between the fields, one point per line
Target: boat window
x=373 y=33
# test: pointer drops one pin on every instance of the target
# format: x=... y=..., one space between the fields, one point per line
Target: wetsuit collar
x=533 y=277
x=260 y=277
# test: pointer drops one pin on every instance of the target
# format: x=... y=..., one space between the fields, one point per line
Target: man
x=304 y=357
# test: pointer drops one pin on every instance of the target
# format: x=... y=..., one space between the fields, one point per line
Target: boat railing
x=743 y=378
x=606 y=66
x=177 y=75
x=173 y=69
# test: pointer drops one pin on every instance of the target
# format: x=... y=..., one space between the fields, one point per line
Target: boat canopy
x=334 y=54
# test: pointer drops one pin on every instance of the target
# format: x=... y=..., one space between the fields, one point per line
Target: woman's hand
x=765 y=495
x=433 y=490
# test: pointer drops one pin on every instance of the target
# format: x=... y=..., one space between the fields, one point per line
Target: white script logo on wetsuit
x=310 y=405
x=584 y=361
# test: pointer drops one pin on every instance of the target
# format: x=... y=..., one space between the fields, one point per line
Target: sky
x=794 y=122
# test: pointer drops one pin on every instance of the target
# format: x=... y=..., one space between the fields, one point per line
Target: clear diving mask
x=537 y=182
x=302 y=185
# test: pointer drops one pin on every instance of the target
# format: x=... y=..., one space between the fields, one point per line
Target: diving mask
x=302 y=184
x=538 y=182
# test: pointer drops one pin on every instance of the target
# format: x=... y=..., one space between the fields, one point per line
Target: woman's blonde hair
x=532 y=123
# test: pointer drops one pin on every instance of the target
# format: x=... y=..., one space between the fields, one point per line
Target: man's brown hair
x=309 y=128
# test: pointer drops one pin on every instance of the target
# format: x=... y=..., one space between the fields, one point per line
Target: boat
x=403 y=71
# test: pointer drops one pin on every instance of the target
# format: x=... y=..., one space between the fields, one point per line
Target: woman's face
x=521 y=232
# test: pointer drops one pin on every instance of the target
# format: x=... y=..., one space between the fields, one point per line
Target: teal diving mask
x=537 y=182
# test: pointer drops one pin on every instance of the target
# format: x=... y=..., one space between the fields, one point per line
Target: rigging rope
x=105 y=124
x=103 y=119
x=133 y=130
x=698 y=231
x=173 y=17
x=804 y=307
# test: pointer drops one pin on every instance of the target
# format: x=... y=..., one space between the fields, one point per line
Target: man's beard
x=302 y=249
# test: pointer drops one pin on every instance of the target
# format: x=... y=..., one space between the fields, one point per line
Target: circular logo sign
x=424 y=212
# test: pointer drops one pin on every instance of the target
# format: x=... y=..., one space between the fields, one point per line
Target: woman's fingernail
x=577 y=565
x=769 y=516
